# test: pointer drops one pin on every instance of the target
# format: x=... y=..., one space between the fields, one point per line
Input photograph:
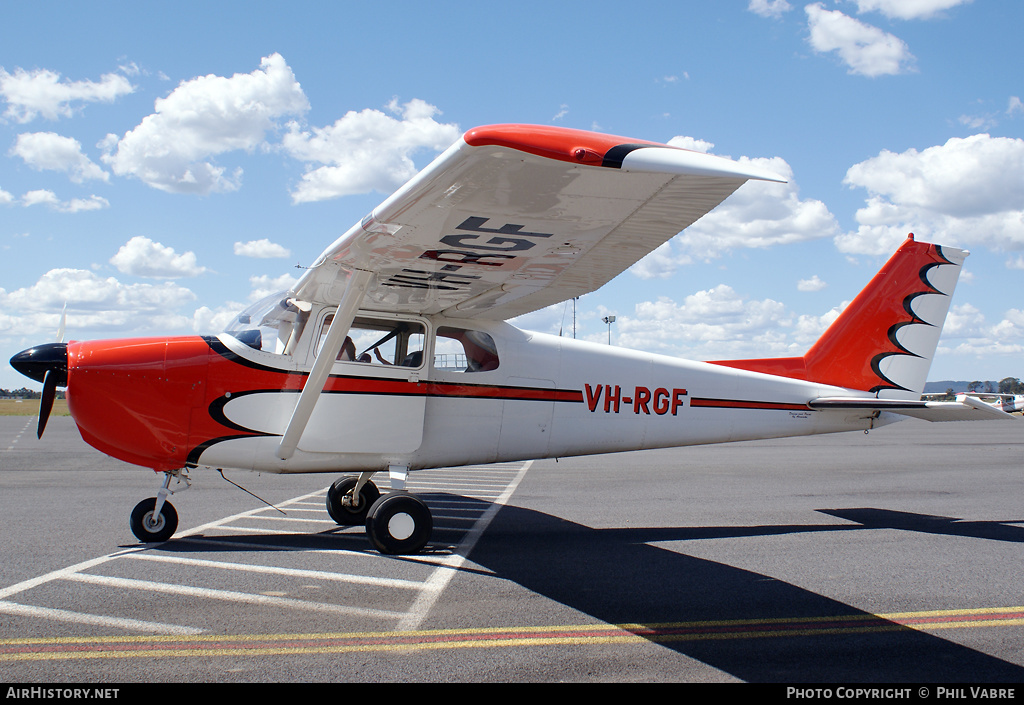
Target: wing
x=513 y=218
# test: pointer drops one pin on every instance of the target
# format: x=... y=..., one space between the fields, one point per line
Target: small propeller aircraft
x=392 y=353
x=1006 y=402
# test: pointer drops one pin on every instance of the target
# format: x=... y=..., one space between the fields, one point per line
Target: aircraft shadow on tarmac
x=617 y=577
x=927 y=524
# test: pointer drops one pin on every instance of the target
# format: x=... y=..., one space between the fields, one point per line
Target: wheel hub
x=401 y=526
x=152 y=523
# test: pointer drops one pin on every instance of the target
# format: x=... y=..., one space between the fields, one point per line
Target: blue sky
x=162 y=166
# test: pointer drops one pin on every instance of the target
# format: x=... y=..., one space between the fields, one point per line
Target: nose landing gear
x=155 y=520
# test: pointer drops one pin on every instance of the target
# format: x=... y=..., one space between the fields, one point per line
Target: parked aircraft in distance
x=1006 y=402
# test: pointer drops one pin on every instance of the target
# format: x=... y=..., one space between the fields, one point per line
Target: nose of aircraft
x=47 y=364
x=35 y=362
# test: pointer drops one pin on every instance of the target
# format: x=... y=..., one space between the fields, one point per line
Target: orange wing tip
x=560 y=143
x=612 y=151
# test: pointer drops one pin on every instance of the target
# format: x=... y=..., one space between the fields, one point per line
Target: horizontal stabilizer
x=966 y=410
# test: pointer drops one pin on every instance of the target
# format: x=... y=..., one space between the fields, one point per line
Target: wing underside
x=514 y=218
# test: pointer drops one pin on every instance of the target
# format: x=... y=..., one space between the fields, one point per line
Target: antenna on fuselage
x=248 y=492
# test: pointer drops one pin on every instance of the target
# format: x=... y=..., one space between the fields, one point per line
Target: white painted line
x=440 y=578
x=228 y=595
x=56 y=575
x=20 y=434
x=291 y=572
x=454 y=519
x=305 y=521
x=136 y=625
x=290 y=548
x=251 y=512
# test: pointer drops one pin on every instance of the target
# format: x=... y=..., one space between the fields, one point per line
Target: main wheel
x=344 y=513
x=150 y=528
x=399 y=523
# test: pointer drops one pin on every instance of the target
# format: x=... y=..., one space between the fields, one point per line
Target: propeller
x=63 y=323
x=46 y=401
x=47 y=363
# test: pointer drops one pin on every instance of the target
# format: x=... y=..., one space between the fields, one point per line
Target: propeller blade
x=63 y=323
x=46 y=401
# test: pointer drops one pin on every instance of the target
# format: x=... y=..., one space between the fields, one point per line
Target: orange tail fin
x=884 y=341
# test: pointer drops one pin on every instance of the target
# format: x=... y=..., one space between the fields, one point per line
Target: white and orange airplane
x=1006 y=402
x=392 y=353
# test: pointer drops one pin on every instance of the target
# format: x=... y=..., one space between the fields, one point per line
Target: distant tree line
x=1011 y=385
x=25 y=393
x=1007 y=385
x=22 y=393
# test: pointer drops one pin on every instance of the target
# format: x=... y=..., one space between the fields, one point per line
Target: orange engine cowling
x=134 y=399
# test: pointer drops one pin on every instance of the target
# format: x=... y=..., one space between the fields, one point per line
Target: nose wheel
x=155 y=520
x=151 y=525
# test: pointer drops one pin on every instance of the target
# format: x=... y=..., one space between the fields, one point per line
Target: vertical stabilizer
x=884 y=341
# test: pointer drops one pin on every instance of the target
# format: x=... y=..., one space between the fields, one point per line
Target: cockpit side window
x=379 y=341
x=463 y=350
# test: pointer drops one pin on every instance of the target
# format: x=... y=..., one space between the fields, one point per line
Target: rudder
x=884 y=341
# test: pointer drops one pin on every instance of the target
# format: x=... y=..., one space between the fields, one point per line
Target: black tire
x=346 y=515
x=149 y=529
x=399 y=523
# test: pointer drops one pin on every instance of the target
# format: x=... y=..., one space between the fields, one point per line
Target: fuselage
x=167 y=403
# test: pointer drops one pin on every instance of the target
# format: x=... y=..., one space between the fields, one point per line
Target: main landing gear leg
x=396 y=523
x=154 y=520
x=349 y=499
x=399 y=523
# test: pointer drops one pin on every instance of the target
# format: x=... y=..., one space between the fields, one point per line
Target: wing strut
x=357 y=285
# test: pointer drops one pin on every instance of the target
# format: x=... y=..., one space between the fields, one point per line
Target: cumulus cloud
x=52 y=152
x=758 y=215
x=691 y=143
x=713 y=324
x=865 y=49
x=908 y=9
x=968 y=333
x=96 y=305
x=208 y=321
x=141 y=257
x=48 y=198
x=769 y=8
x=261 y=249
x=265 y=285
x=30 y=94
x=172 y=149
x=660 y=263
x=366 y=151
x=966 y=191
x=813 y=284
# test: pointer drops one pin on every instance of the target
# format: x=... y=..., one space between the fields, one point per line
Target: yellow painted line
x=207 y=645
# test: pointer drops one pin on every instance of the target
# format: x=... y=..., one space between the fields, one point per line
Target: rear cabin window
x=462 y=350
x=379 y=342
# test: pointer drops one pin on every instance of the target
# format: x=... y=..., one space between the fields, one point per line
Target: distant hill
x=956 y=386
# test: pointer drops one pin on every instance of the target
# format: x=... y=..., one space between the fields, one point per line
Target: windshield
x=272 y=324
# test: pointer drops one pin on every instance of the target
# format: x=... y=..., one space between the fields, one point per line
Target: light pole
x=609 y=320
